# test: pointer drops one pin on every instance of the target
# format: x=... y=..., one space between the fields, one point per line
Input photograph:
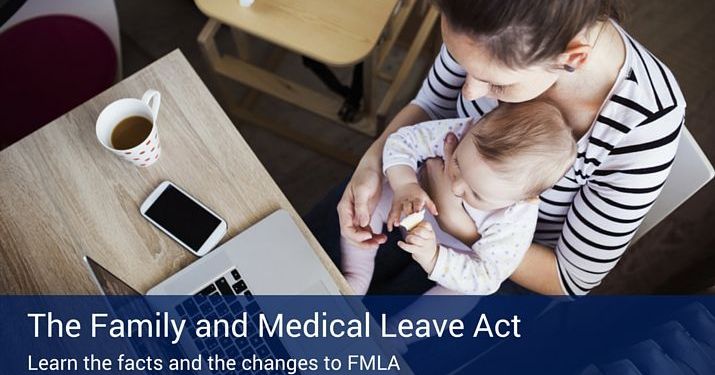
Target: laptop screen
x=109 y=284
x=134 y=306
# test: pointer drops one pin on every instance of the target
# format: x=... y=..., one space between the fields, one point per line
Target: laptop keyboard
x=200 y=307
x=224 y=287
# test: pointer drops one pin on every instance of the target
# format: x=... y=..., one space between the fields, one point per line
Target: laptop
x=271 y=257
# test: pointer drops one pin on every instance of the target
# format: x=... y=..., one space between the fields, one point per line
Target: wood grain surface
x=62 y=196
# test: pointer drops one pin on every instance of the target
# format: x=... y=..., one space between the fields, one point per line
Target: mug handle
x=152 y=98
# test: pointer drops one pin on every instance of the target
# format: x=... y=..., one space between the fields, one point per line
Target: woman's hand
x=357 y=204
x=452 y=217
x=364 y=189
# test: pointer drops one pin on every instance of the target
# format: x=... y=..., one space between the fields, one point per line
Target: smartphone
x=183 y=218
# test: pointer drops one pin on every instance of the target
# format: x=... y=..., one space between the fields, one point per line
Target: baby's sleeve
x=412 y=144
x=495 y=256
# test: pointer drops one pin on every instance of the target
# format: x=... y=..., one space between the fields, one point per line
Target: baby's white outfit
x=505 y=234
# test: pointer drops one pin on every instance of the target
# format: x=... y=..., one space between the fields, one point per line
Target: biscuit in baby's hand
x=411 y=221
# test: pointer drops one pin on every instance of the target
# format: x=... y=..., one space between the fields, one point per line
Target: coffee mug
x=144 y=150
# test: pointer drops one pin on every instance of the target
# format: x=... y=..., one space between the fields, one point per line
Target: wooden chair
x=262 y=78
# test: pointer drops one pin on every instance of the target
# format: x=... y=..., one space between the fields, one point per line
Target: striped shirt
x=590 y=216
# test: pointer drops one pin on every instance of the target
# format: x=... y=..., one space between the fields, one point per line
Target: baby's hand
x=421 y=242
x=408 y=198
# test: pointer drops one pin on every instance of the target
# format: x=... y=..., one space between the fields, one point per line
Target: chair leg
x=242 y=44
x=412 y=54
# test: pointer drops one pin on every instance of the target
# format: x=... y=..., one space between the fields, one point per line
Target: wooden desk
x=62 y=196
x=336 y=33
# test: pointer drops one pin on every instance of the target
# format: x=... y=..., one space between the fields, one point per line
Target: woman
x=624 y=106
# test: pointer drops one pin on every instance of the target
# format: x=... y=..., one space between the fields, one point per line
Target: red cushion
x=50 y=65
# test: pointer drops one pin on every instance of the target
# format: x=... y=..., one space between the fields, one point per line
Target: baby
x=500 y=166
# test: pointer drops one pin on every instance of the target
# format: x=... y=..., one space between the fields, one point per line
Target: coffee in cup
x=130 y=132
x=127 y=127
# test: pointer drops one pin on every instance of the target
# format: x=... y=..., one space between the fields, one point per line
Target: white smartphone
x=183 y=218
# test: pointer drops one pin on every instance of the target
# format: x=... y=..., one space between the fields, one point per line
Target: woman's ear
x=575 y=55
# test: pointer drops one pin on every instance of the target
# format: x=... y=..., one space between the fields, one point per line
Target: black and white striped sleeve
x=440 y=90
x=607 y=211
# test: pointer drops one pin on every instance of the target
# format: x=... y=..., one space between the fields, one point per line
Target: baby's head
x=514 y=153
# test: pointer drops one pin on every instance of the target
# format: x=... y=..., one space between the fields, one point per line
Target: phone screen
x=182 y=217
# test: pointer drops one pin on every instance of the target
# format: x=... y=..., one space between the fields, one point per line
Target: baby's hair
x=529 y=143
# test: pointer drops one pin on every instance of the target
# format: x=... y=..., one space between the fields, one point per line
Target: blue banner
x=372 y=335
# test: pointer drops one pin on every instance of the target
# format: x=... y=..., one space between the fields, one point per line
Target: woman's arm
x=594 y=222
x=364 y=189
x=538 y=271
x=436 y=99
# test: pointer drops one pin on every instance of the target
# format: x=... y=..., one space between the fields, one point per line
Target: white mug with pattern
x=147 y=151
